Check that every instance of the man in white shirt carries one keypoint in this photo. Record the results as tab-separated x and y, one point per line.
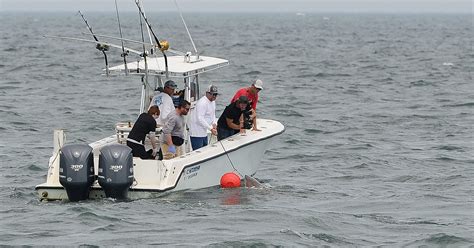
203	118
164	102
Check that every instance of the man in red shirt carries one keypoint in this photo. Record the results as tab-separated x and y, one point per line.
252	94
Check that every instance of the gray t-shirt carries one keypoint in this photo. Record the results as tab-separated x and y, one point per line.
174	125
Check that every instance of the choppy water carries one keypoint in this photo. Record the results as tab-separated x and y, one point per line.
378	148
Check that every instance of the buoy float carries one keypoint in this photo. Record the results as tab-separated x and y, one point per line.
230	180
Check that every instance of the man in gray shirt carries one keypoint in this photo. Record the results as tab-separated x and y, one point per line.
173	131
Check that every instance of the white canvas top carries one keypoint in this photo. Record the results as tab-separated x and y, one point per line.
177	66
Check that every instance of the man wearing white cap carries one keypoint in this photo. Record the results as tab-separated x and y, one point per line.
252	94
203	118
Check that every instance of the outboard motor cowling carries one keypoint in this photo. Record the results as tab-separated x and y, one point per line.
76	170
116	170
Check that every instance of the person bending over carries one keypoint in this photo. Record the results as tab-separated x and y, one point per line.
231	120
144	125
251	93
173	131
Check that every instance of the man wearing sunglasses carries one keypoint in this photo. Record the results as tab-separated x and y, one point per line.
203	118
172	138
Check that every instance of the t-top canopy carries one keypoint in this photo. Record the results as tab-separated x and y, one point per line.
178	66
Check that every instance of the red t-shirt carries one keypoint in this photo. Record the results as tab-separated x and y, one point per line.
253	98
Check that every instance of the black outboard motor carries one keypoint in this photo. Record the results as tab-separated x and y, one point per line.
76	170
116	170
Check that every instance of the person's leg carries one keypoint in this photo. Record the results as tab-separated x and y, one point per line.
204	141
166	154
138	150
195	143
179	151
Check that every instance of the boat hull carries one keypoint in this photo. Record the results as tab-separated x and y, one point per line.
198	169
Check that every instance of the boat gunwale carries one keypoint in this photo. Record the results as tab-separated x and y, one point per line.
223	153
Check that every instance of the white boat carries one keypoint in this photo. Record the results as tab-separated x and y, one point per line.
202	168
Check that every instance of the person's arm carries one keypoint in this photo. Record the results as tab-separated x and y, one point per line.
167	130
214	120
241	124
232	125
166	108
153	140
200	111
254	120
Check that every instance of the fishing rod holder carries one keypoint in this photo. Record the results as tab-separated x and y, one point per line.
102	47
164	45
124	53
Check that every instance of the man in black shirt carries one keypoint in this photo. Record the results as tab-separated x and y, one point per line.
232	120
144	125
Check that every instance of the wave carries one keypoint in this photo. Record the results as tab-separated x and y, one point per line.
420	83
253	73
327	238
467	104
441	240
313	131
449	148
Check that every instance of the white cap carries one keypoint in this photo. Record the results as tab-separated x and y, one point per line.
212	89
258	84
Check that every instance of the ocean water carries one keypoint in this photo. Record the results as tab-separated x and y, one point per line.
378	148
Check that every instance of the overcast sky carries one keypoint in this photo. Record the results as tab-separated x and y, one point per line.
412	6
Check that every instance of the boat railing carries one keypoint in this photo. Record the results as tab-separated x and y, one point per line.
122	129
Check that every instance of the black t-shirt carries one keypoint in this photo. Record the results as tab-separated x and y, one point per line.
232	111
143	126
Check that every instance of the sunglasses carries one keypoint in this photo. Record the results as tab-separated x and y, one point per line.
215	94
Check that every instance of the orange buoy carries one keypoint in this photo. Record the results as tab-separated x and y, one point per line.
230	180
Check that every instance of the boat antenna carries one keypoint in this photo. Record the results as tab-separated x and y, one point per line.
124	54
163	46
185	26
101	47
144	78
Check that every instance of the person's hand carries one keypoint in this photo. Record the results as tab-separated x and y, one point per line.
154	152
214	131
172	149
242	131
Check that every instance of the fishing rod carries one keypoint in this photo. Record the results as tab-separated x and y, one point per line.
99	46
186	27
163	47
140	42
103	44
124	54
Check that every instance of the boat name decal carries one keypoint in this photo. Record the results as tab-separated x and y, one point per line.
116	167
191	172
76	167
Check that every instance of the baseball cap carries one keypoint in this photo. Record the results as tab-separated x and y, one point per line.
171	84
212	89
258	84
